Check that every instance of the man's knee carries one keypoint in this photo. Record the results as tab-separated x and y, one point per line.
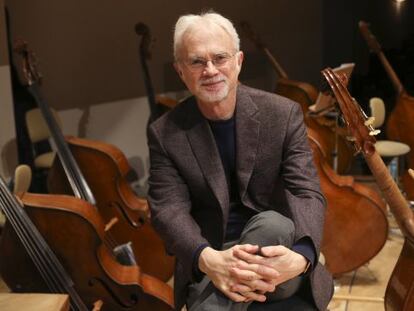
269	228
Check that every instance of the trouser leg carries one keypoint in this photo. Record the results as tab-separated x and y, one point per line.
293	303
264	229
261	230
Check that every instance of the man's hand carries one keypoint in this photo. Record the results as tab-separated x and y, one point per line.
286	262
236	278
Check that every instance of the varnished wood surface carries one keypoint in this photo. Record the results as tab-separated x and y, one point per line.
356	226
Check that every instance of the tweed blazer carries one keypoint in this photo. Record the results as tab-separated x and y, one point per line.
189	196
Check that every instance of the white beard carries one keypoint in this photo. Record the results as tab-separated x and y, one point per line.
213	96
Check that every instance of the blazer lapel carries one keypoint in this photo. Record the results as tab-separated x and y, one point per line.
247	136
208	158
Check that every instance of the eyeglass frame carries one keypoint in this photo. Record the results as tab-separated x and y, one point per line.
195	67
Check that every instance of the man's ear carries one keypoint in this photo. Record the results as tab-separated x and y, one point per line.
178	69
240	58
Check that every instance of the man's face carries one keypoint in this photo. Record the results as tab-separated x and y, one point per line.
208	64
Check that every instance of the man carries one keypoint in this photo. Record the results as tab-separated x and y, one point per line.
233	190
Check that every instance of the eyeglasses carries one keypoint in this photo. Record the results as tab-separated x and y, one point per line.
199	63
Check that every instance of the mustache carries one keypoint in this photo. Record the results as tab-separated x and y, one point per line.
213	80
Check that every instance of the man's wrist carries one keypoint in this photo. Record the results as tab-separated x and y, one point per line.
308	264
204	258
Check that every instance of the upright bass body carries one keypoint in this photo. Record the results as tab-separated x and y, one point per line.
400	127
399	295
356	226
104	168
73	229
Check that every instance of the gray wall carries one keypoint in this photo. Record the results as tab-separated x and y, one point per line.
88	49
88	52
8	152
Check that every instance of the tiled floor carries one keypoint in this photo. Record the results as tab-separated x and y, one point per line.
369	282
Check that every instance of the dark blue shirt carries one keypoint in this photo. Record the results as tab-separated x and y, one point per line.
225	135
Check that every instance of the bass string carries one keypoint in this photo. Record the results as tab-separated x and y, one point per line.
42	256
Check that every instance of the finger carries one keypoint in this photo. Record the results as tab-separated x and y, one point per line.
265	271
253	296
246	256
249	248
249	299
242	274
241	288
260	271
261	286
236	297
272	251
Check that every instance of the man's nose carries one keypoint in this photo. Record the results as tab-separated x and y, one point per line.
210	68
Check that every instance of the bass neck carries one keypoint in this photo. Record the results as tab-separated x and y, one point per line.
254	37
32	77
374	45
76	179
143	30
396	201
395	80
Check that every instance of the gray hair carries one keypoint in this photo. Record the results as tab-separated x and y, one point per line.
187	22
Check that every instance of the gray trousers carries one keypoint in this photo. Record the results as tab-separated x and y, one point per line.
264	229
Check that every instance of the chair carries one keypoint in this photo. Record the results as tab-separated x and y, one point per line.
38	132
22	179
393	150
21	183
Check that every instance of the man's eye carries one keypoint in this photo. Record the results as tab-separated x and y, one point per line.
197	62
220	59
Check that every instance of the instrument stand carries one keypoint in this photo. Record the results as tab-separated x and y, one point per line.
334	114
330	112
335	150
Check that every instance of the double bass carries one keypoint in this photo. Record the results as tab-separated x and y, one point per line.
116	200
356	226
157	104
400	124
306	94
95	172
56	244
22	103
399	295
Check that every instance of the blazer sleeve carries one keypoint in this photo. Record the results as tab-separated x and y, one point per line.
302	189
170	205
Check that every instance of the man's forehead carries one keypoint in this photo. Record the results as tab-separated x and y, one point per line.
213	40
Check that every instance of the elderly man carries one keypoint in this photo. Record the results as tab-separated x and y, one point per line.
233	189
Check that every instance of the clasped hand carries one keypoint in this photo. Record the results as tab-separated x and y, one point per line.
243	275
